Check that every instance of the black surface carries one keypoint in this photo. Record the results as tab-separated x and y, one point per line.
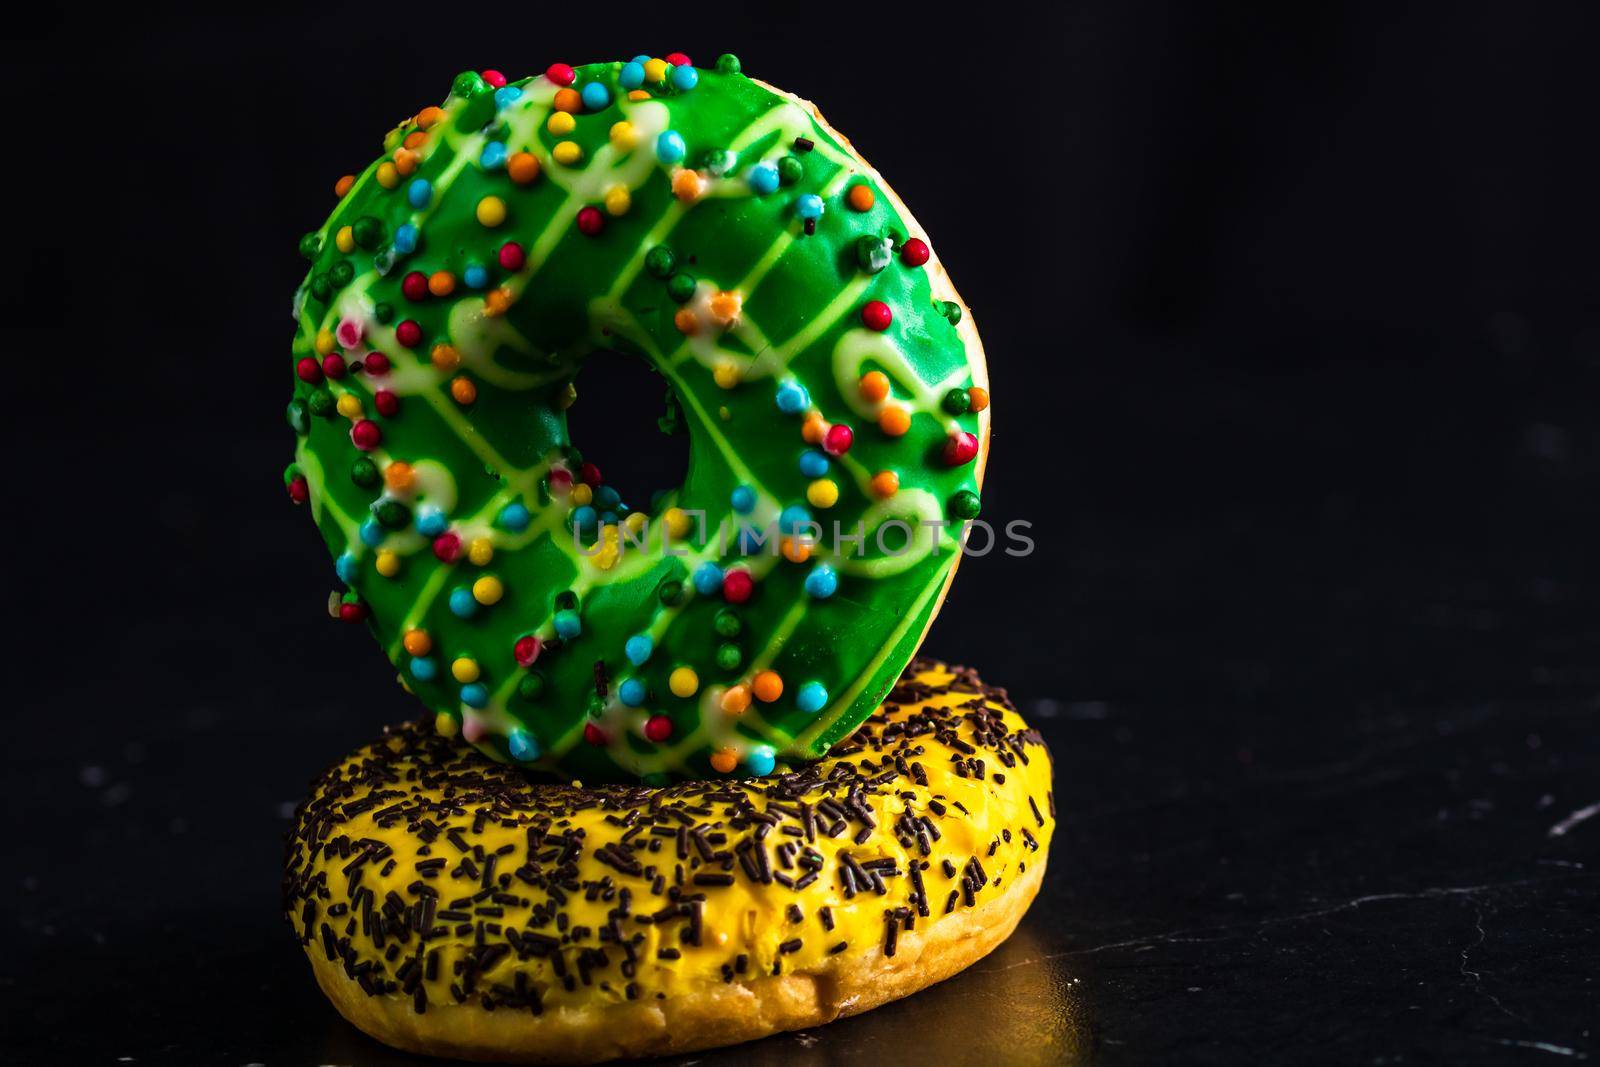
1292	325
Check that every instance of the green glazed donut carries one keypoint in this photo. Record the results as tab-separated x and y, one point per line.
829	379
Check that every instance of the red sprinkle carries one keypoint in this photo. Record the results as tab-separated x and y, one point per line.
590	475
333	365
366	435
678	59
352	612
960	448
493	78
309	370
561	74
414	286
591	222
376	364
914	253
594	735
875	315
408	333
511	256
658	728
386	402
737	585
447	546
838	439
526	650
560	481
299	491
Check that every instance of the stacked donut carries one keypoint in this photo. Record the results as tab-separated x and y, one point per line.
784	819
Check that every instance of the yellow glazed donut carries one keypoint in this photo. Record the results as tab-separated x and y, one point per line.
450	906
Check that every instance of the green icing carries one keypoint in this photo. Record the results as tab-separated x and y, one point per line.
620	289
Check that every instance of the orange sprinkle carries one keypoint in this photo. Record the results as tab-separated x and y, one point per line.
569	100
414	140
813	429
343	185
441	283
795	549
497	302
725	306
523	167
885	484
405	161
638	94
687	185
874	384
445	357
399	476
724	760
768	686
736	699
418	643
463	390
429	117
861	198
686	322
977	398
894	420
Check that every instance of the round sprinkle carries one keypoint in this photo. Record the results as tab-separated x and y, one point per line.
837	440
965	504
590	222
743	499
885	484
760	761
959	449
524	746
568	624
568	100
596	97
464	669
561	74
707	579
526	650
488	590
860	198
462	604
767	686
685	78
813	464
874	386
894	420
657	728
424	669
736	700
632	75
875	315
419	193
728	63
822	582
811	698
638	649
763	178
956	401
523	168
684	682
978	398
823	493
561	123
809	206
670	147
474	695
567	153
737	586
633	692
491	211
724	760
792	398
914	253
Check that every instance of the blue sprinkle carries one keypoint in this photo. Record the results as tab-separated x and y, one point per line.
424	669
493	156
431	521
476	276
638	648
371	533
641	59
506	95
568	625
760	761
515	517
633	692
685	78
596	97
419	192
608	518
752	539
794	519
346	567
632	75
813	464
524	746
822	582
808	206
812	698
763	178
462	603
584	517
670	147
405	239
793	398
474	695
606	498
743	499
707	579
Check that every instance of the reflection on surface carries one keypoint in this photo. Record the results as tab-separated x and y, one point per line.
1012	1008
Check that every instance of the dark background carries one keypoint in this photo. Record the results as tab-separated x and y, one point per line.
1293	319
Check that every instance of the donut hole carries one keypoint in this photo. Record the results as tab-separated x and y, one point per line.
617	423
